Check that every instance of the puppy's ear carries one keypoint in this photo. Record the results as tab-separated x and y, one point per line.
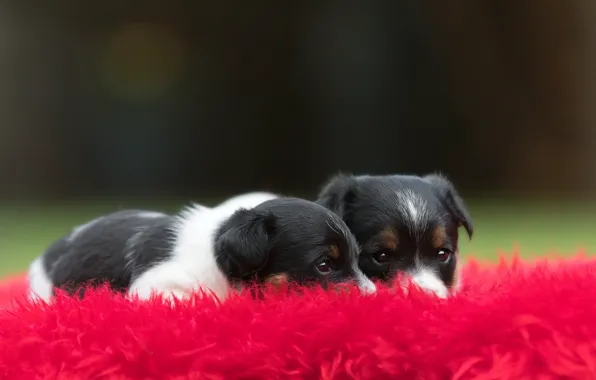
450	197
243	247
338	194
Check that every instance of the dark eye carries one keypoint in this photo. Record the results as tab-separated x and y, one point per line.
381	257
324	267
444	255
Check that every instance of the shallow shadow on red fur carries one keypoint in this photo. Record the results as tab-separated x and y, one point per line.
512	320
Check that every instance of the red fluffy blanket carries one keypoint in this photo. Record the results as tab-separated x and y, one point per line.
511	321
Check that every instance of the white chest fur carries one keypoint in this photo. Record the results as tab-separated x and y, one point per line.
192	266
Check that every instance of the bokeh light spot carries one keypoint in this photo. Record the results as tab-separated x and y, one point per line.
142	61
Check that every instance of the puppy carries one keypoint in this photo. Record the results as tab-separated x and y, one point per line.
218	250
404	224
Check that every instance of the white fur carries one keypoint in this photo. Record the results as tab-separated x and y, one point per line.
429	281
248	200
40	285
193	265
414	208
150	214
364	283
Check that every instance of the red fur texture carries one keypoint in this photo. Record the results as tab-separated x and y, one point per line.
511	321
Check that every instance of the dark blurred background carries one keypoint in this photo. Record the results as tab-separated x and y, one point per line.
115	102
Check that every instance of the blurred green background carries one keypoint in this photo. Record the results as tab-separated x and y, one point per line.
111	104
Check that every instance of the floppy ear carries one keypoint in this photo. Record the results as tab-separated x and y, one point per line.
338	193
452	200
242	249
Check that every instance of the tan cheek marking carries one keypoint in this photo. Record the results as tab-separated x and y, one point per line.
456	284
333	252
277	280
439	236
390	239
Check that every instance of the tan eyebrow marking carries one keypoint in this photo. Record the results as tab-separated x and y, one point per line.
390	239
334	252
439	236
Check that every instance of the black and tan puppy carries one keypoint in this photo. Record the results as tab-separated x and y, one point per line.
217	249
403	223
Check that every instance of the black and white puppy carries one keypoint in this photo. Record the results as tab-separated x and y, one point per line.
217	249
404	224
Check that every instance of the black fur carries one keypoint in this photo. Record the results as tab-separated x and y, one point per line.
369	205
288	236
105	252
242	245
452	201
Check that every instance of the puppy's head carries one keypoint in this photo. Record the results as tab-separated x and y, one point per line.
406	224
289	240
